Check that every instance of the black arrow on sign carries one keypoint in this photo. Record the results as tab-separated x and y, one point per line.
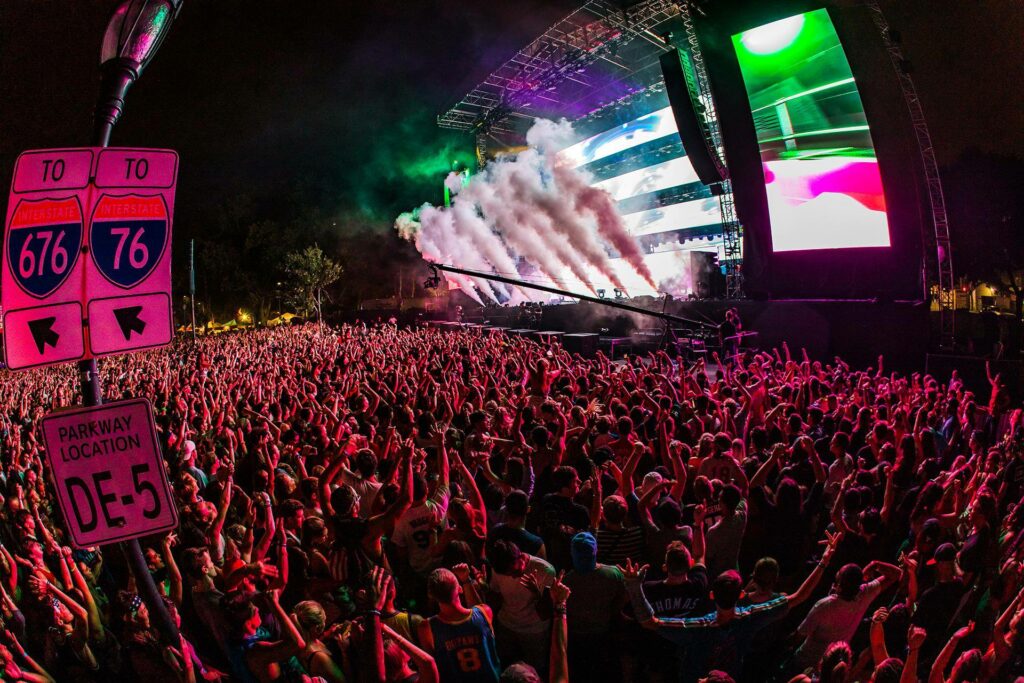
128	320
42	333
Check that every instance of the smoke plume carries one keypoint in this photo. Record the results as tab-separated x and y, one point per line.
529	207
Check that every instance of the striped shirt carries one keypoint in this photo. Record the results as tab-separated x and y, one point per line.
614	546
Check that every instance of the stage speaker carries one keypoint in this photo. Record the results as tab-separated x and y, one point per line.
691	119
706	278
583	343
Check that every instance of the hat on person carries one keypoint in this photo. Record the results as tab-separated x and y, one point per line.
931	530
187	449
945	553
584	552
651	479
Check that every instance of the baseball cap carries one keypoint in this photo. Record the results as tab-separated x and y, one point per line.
931	530
945	553
584	552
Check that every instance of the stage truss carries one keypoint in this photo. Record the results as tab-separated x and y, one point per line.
732	231
937	202
551	77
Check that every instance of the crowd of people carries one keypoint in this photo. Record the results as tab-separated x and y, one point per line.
385	504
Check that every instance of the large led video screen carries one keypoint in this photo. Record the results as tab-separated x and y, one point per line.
650	127
820	170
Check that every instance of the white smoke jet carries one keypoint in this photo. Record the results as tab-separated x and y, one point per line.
454	182
568	225
528	207
548	137
599	204
438	227
517	227
409	228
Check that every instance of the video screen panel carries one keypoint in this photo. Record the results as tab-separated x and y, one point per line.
661	176
642	160
652	126
820	169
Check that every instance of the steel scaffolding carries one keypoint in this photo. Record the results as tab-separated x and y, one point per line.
946	294
552	70
732	231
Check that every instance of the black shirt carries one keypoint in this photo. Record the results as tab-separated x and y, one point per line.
557	511
937	606
527	542
686	599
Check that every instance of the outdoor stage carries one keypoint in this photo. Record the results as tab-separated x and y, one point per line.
856	330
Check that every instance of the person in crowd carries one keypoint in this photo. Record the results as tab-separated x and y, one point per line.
518	585
389	503
721	639
598	596
460	638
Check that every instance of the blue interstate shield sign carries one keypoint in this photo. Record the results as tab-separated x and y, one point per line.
41	257
128	236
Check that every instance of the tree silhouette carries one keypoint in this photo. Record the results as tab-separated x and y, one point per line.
985	196
310	271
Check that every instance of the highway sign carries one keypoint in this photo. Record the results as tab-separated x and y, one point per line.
44	170
42	278
128	277
113	205
136	321
108	472
46	333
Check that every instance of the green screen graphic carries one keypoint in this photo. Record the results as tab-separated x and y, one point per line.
821	175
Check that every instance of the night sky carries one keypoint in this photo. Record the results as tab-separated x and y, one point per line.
341	96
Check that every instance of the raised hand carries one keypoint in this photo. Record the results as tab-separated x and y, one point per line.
531	582
964	631
916	637
633	571
831	541
699	513
559	591
462	572
377	592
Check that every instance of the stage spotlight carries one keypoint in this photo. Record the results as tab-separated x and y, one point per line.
601	293
619	294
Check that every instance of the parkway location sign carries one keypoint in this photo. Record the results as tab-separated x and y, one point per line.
87	254
110	476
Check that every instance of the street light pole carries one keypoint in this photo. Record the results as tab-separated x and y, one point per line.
192	285
133	35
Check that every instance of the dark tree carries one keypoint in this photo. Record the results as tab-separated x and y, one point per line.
985	197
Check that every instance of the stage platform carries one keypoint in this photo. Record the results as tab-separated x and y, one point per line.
857	330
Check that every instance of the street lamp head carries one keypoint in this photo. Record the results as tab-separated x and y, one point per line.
133	36
135	31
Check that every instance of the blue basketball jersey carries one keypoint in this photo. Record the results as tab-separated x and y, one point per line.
465	652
